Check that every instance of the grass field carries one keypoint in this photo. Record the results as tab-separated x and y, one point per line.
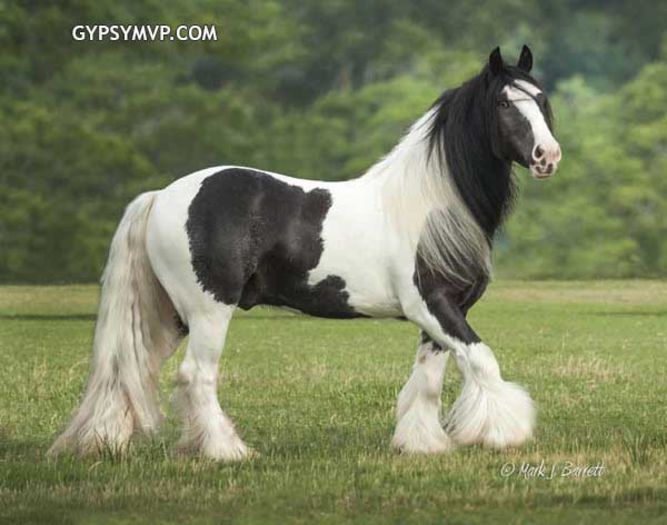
316	399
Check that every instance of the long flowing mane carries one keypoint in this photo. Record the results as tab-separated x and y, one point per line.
460	136
444	183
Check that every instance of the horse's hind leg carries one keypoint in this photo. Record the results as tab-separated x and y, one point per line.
207	430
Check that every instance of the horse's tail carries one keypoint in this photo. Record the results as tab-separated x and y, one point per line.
136	328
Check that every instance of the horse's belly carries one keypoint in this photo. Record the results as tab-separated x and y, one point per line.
375	305
365	288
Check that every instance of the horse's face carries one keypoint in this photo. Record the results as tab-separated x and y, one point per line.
523	132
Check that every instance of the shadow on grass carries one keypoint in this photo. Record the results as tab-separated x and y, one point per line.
93	317
13	448
47	317
629	313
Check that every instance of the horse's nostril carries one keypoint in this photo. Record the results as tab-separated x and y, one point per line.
538	152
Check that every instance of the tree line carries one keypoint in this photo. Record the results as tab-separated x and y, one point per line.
322	90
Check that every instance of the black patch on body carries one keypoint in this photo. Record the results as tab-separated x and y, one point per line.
254	238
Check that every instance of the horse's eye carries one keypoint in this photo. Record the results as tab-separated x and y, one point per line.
503	104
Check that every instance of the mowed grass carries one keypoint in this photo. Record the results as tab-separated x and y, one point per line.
316	399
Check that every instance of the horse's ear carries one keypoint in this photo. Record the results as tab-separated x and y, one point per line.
526	59
495	61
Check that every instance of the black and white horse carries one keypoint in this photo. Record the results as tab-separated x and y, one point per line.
409	239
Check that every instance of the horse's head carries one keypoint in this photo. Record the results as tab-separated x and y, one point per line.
520	116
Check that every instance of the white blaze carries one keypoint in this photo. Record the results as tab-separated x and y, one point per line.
528	107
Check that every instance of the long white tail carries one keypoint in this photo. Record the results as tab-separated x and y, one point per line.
136	329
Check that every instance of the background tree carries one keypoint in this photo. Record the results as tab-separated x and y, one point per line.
322	90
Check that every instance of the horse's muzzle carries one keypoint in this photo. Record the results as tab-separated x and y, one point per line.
545	159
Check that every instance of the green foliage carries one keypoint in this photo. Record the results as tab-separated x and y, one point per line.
322	90
605	213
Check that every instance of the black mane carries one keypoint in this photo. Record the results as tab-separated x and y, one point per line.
462	132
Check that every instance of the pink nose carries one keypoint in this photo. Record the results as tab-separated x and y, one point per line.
546	157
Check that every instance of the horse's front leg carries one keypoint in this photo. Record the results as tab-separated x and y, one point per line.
490	410
418	427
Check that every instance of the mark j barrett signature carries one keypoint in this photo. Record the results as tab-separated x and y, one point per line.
542	470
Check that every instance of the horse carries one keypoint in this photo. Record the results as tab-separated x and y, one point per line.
409	239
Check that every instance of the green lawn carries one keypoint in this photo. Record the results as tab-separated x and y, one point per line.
316	399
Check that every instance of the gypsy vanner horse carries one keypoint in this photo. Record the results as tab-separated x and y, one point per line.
411	239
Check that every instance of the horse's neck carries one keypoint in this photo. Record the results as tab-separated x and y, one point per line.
422	201
412	182
399	179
